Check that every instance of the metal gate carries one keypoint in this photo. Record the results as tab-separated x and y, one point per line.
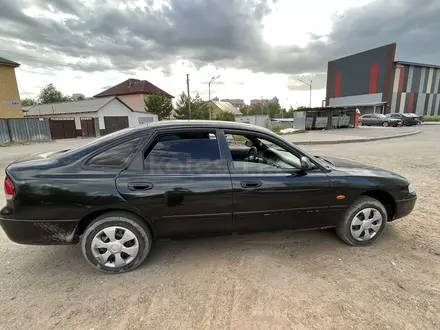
87	127
113	124
62	128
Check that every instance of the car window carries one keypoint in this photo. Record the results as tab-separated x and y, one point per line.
269	156
184	153
366	116
115	156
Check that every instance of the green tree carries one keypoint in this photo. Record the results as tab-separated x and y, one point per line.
301	107
199	108
226	116
258	110
27	102
273	109
160	105
50	94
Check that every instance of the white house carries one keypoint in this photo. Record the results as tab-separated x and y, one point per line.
91	117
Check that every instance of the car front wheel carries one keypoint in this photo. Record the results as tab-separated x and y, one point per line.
116	242
363	223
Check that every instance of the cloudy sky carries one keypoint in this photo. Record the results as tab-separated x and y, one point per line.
258	47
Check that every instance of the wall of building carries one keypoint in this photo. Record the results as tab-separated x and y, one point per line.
134	101
416	89
113	108
9	93
365	77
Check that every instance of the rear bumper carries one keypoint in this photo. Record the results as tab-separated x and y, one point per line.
404	207
40	232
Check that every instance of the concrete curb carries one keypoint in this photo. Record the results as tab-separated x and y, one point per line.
356	140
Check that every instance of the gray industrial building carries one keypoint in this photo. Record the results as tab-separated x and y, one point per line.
374	81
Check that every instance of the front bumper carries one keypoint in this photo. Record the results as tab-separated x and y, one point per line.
404	207
40	232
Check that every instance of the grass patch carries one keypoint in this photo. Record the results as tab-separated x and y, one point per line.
432	118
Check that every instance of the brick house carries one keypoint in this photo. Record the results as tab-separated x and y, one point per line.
9	97
133	92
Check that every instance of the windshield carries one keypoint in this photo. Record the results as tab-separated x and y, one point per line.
380	116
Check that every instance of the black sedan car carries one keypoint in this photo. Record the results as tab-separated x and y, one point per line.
377	119
125	191
407	119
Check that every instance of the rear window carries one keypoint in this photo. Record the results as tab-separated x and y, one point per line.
115	156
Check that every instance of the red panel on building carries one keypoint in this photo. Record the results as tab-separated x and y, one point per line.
373	78
401	78
411	102
338	84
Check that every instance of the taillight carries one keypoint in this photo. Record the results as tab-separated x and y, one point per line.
9	189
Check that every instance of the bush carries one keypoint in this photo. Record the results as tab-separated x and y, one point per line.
432	118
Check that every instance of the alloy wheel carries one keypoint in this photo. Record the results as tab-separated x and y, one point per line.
115	246
366	224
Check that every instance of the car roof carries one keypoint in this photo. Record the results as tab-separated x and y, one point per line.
203	123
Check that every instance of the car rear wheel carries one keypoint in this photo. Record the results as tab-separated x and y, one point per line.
385	124
363	223
360	123
116	242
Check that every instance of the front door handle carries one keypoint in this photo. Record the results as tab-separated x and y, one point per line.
134	186
250	184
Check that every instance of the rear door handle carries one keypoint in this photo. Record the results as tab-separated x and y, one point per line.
134	186
250	184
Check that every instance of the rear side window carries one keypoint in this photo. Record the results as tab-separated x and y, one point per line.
184	153
115	156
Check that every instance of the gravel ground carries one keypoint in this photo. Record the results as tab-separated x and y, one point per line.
302	280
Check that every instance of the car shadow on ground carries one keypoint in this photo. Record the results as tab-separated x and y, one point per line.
295	245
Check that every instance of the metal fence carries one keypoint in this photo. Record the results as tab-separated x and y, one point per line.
299	120
4	133
24	129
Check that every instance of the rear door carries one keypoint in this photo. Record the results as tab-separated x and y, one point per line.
181	182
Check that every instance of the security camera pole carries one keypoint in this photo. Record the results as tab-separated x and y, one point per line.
310	86
209	93
189	99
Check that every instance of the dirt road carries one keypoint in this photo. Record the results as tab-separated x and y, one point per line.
307	280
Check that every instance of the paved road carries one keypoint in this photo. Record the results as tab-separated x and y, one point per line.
307	280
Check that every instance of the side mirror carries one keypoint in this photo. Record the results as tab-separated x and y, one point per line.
306	164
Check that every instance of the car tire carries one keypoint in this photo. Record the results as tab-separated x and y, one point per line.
360	123
354	226
385	124
131	240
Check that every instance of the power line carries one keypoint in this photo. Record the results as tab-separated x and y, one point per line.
32	98
33	57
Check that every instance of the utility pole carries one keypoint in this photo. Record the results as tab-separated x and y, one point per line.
209	93
189	99
310	87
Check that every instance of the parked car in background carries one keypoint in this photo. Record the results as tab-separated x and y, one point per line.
419	118
377	119
121	193
407	119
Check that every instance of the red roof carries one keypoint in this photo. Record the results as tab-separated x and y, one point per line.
133	86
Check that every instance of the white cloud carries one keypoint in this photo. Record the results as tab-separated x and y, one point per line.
287	32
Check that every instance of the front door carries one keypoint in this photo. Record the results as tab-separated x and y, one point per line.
270	190
182	184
